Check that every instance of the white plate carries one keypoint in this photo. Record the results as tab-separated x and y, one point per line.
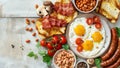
107	34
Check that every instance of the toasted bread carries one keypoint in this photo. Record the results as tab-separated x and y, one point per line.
115	2
109	8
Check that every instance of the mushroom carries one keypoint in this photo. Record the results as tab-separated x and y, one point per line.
48	6
90	61
47	3
41	11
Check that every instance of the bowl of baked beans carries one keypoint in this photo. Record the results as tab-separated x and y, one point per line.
85	6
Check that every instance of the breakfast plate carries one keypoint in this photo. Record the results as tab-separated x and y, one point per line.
106	33
64	37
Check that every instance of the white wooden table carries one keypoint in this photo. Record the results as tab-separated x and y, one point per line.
12	32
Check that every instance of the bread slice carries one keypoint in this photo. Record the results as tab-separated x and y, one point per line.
109	9
115	2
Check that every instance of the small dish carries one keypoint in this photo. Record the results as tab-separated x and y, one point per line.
57	54
85	7
83	63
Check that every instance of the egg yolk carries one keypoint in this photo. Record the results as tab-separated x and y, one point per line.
97	37
79	30
88	45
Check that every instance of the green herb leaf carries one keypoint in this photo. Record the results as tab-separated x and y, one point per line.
31	54
35	56
118	31
97	62
38	45
66	46
42	53
47	59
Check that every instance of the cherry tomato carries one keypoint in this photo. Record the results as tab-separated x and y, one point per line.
96	19
43	43
63	40
98	25
51	52
55	39
89	21
79	41
79	48
49	45
59	46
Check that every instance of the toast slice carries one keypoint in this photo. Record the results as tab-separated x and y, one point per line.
109	9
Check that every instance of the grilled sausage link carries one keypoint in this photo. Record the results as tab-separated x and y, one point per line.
114	58
113	46
115	65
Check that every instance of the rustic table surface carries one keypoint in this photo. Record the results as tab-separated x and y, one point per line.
12	32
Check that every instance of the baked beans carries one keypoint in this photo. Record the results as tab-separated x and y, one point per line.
85	5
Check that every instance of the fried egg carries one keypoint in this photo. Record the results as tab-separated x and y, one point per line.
94	39
79	29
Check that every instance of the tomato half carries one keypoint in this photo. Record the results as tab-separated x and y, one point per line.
79	41
98	25
79	48
96	19
89	21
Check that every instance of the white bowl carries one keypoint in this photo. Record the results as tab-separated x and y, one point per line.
81	60
85	11
54	65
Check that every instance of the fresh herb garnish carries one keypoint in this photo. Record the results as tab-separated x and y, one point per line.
66	46
42	53
97	62
38	45
32	54
47	59
118	31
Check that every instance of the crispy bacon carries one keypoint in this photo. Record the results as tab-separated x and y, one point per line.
64	8
46	24
50	21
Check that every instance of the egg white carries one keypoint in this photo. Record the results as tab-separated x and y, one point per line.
73	36
97	45
89	30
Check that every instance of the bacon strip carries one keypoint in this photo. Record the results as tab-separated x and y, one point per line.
49	22
64	8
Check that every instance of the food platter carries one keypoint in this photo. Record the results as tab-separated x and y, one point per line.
107	34
64	34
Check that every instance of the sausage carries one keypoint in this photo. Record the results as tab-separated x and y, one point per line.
114	58
113	46
115	65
